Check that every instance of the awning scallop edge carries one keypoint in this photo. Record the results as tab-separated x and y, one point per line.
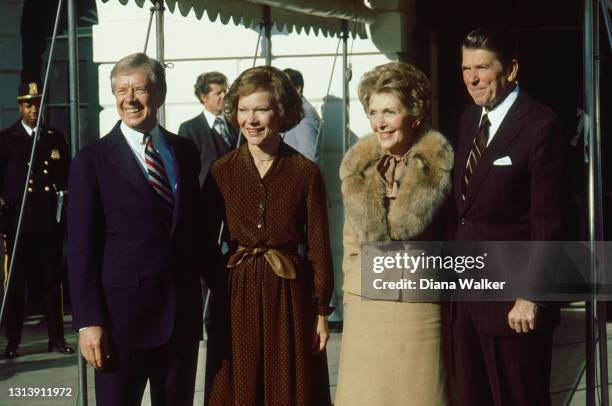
314	16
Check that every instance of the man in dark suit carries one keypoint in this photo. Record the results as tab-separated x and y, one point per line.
38	256
209	130
509	185
134	249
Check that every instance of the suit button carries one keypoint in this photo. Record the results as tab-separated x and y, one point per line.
261	206
47	188
46	172
31	181
46	163
30	189
259	225
462	222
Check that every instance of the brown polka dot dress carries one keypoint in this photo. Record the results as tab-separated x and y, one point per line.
261	327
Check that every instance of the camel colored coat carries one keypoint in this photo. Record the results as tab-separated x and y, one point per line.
391	350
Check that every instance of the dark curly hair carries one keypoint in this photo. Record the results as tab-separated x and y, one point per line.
501	41
203	82
285	99
403	80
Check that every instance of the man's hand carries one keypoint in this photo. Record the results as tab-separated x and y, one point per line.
522	317
321	335
91	342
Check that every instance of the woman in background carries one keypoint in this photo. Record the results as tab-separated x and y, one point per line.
270	305
394	186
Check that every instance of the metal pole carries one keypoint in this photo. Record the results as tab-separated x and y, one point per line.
73	74
345	90
261	27
590	352
326	103
267	48
146	42
598	206
24	196
605	13
589	108
159	30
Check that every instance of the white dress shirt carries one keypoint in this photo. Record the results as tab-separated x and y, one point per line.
210	118
497	114
27	128
135	141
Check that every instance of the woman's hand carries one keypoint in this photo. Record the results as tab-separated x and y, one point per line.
321	335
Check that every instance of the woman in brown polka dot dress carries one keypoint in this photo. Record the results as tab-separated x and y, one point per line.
269	304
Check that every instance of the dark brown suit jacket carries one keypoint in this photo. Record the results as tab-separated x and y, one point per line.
524	201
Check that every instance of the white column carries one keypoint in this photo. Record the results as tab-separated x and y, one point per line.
395	20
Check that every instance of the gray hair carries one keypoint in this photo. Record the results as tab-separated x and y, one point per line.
155	71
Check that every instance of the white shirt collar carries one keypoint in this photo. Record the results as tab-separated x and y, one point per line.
27	128
210	118
135	138
498	113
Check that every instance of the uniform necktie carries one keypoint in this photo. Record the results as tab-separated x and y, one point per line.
479	144
221	128
158	179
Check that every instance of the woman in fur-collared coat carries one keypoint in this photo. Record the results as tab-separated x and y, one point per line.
394	186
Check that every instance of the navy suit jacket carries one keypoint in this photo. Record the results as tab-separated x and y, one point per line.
49	174
206	140
524	201
131	272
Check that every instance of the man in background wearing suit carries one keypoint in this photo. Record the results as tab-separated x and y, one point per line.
509	185
134	248
303	137
39	253
209	130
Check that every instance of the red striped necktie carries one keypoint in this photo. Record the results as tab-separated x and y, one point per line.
479	144
158	179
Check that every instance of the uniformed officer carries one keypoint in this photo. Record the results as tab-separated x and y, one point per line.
39	254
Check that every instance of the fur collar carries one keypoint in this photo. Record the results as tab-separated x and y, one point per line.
424	186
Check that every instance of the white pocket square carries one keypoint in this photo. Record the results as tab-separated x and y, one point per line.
504	161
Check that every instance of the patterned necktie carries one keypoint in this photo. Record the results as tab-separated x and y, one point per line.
158	179
479	144
221	129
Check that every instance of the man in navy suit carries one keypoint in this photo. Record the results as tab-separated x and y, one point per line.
509	185
210	131
133	235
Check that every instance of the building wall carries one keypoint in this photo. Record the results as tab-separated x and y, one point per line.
10	59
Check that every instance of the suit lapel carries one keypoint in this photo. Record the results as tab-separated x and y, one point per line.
465	144
208	144
18	129
511	125
121	156
176	212
233	133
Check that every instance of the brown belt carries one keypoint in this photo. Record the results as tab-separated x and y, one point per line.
281	264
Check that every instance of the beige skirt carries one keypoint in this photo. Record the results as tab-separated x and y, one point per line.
391	354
